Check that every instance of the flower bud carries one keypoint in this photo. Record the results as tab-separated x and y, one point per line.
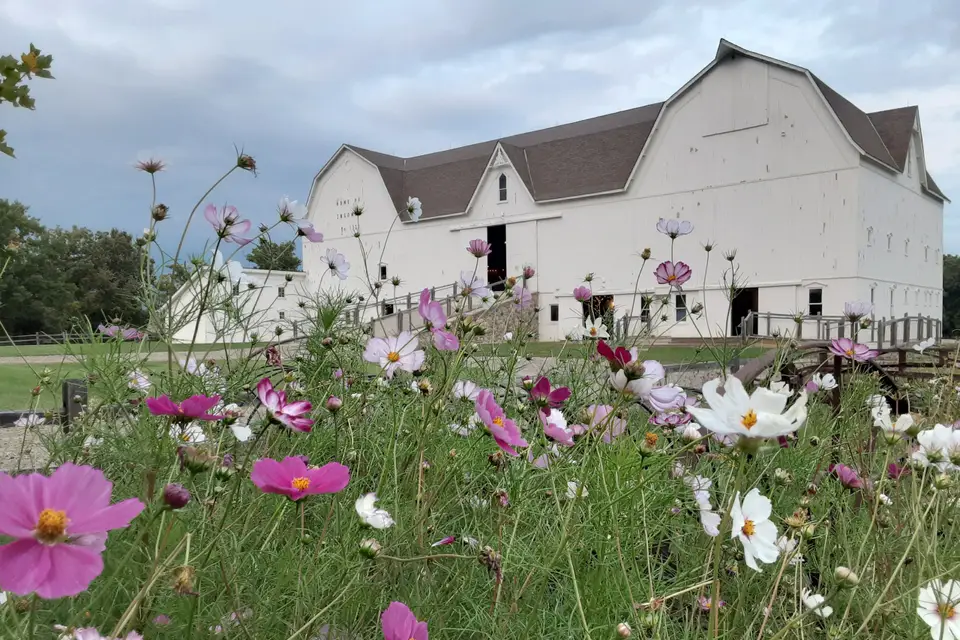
527	383
334	404
224	471
846	577
691	433
159	212
327	342
650	620
782	477
942	481
370	548
175	496
183	580
247	163
624	630
645	254
808	531
649	444
528	272
634	370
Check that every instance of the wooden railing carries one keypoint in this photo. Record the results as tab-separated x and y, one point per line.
881	332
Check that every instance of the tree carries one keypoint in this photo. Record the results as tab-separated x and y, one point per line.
274	256
12	87
951	295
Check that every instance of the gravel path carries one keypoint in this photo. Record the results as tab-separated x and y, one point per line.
153	357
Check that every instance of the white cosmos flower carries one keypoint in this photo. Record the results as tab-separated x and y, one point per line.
241	432
370	514
138	381
935	447
780	387
29	420
414	208
640	388
814	602
751	524
592	330
760	415
787	547
920	347
576	490
190	434
900	427
337	263
466	390
399	352
673	227
709	519
938	604
508	336
884	499
824	382
466	429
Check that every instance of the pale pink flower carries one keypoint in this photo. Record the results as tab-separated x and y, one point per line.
847	348
473	285
337	263
673	274
399	352
582	294
292	415
674	228
193	408
227	223
522	297
58	529
479	248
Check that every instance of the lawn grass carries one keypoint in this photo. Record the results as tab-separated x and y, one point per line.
665	354
99	348
17	381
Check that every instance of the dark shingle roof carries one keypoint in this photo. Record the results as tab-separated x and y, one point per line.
596	155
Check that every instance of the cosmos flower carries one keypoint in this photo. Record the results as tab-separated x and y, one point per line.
760	415
193	408
853	311
542	396
473	285
398	352
227	223
847	348
292	415
399	623
337	263
938	605
674	228
815	602
466	390
414	208
370	514
818	382
672	274
504	430
752	526
294	479
57	527
479	248
582	294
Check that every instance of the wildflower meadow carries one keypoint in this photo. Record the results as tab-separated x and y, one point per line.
345	485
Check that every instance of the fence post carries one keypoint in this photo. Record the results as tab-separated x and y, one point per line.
880	334
768	324
410	302
73	394
929	327
36	338
840	328
893	333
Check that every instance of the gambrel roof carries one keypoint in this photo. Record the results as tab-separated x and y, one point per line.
599	155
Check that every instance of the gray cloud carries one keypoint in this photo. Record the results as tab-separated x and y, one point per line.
188	79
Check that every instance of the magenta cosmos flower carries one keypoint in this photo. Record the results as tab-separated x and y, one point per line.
673	274
294	479
394	353
618	358
545	398
59	528
399	623
227	223
193	408
436	321
847	348
582	294
290	414
847	476
479	248
504	430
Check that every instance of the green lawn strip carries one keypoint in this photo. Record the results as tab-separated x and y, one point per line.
665	354
18	380
98	348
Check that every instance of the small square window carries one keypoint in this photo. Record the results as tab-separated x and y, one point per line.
681	307
815	300
281	292
388	309
383	272
283	315
554	312
645	302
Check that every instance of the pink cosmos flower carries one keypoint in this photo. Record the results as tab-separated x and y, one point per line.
227	223
618	359
555	427
894	471
667	397
543	397
479	248
600	417
399	352
847	348
306	229
522	297
444	541
529	272
473	285
582	294
58	525
445	341
132	334
292	477
193	408
292	415
504	430
399	623
112	331
673	274
435	320
847	476
670	419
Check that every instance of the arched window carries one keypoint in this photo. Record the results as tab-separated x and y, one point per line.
503	187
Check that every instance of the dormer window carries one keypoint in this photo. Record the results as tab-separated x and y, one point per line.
503	187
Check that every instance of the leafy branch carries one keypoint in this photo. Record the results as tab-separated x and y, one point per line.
14	89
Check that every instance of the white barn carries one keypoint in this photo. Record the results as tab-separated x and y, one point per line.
822	202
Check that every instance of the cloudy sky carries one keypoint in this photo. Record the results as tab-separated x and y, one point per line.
186	80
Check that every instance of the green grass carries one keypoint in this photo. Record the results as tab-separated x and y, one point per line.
665	354
100	348
17	381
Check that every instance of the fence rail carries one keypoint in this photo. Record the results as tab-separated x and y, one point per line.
882	332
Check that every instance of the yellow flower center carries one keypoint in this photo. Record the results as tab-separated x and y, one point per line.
749	419
748	528
671	277
593	331
946	610
51	526
650	439
498	421
393	356
467	291
300	484
849	352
